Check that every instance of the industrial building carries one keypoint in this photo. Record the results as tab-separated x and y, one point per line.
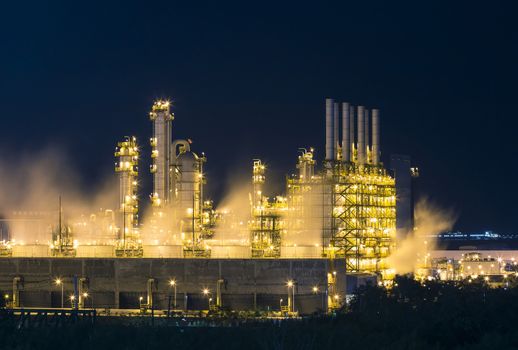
334	220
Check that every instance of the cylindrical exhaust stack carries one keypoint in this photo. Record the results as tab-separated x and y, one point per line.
375	137
330	142
352	138
361	136
336	129
367	135
346	142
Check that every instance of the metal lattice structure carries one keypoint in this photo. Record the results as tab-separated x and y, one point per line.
266	224
363	218
127	155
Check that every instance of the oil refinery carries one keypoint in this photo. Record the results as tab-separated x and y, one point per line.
332	229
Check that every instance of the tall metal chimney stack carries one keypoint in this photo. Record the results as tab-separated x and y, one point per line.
361	136
375	136
330	149
352	138
346	142
336	128
367	135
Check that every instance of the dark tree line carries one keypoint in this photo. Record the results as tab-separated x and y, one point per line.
408	316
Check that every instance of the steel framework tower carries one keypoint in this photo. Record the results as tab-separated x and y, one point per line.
127	155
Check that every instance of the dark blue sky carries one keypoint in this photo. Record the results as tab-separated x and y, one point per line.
249	80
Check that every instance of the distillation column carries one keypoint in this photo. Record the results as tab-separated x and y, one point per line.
127	155
162	119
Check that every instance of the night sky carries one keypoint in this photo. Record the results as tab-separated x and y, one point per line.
248	80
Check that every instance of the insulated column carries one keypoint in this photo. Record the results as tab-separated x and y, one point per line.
330	149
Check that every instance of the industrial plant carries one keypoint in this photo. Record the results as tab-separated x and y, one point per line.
303	250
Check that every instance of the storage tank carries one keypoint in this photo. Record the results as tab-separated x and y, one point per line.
231	252
163	251
31	251
95	251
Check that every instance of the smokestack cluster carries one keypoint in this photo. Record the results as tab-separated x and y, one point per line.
360	138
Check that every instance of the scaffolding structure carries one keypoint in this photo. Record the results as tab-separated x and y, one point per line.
62	243
363	217
266	224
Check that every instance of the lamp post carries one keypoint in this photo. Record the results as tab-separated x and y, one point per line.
315	291
85	295
59	282
72	300
291	298
280	305
206	292
172	283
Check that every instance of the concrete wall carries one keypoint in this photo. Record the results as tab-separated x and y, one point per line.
118	283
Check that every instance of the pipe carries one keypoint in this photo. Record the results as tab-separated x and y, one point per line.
367	135
375	137
336	129
346	142
176	151
351	132
361	136
329	129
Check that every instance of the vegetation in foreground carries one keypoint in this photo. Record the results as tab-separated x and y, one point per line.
410	316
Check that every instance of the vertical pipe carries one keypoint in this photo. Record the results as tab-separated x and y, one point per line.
336	129
367	135
351	131
361	136
75	300
329	129
346	142
375	137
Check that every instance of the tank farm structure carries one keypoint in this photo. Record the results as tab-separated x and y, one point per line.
299	252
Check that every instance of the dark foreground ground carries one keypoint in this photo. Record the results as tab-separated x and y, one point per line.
410	316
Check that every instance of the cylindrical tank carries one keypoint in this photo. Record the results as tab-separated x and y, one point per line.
163	251
95	251
31	251
231	252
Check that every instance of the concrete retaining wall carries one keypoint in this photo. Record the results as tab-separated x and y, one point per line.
118	282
